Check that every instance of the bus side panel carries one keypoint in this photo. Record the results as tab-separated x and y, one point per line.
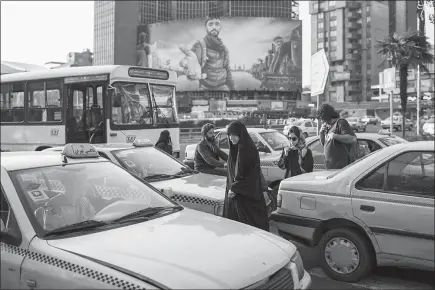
150	134
29	138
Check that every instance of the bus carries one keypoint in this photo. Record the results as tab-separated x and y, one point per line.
93	104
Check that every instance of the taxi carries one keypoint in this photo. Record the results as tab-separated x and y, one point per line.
195	190
377	211
76	220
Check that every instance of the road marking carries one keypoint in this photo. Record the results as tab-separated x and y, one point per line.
376	282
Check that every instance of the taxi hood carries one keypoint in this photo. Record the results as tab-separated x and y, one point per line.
187	250
199	185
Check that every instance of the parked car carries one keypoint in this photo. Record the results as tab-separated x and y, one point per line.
107	228
360	217
307	127
428	127
195	190
269	143
397	124
368	143
357	124
369	120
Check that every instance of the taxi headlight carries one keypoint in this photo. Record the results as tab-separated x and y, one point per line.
297	260
219	209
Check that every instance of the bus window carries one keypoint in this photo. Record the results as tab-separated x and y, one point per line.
16	102
135	105
45	103
5	104
54	102
164	106
78	106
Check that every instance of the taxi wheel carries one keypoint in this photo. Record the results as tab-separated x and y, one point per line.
346	255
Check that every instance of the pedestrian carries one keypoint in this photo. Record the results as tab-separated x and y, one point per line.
297	158
208	156
164	143
244	197
337	137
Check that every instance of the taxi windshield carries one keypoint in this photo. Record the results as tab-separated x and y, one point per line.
150	163
60	196
275	140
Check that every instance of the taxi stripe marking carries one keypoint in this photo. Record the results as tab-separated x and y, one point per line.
191	199
68	266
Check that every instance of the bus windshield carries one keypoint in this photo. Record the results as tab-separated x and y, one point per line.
139	103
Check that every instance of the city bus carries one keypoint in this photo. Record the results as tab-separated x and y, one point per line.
93	104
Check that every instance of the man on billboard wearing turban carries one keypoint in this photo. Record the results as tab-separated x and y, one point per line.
213	58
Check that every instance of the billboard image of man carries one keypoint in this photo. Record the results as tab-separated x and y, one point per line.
142	50
213	58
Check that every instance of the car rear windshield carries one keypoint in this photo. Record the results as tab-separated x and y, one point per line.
148	162
389	141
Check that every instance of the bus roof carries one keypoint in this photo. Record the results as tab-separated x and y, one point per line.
74	71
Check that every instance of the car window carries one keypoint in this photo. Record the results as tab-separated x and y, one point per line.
58	196
318	152
308	124
408	173
389	141
148	162
368	146
275	140
10	231
223	141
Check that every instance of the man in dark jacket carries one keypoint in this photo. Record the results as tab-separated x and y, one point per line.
207	154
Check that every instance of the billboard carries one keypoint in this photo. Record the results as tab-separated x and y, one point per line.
226	54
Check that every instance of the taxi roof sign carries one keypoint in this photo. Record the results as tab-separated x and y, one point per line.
142	143
80	151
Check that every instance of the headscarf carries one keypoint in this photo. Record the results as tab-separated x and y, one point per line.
244	155
301	146
164	137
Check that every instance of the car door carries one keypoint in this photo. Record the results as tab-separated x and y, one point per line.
396	202
318	154
12	250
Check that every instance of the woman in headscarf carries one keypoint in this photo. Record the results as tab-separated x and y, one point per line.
244	198
164	143
297	158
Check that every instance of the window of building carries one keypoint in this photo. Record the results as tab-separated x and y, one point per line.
331	3
333	96
368	8
320	25
333	23
334	43
332	13
322	5
320	16
369	19
333	53
333	33
315	6
320	45
320	35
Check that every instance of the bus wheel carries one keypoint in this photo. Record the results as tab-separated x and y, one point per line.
40	148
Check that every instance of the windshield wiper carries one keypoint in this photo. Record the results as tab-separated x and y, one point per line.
146	213
78	227
158	176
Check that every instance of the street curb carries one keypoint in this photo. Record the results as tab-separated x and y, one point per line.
376	282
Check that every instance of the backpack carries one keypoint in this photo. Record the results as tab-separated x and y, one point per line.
353	150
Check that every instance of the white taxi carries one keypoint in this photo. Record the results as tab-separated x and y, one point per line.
204	192
103	227
377	211
308	127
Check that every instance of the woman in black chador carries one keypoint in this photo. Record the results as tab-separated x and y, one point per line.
244	198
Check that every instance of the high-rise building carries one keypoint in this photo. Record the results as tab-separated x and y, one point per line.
348	31
116	22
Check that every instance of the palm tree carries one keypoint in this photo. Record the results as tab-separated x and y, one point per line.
404	52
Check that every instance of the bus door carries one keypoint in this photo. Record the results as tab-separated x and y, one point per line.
86	121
